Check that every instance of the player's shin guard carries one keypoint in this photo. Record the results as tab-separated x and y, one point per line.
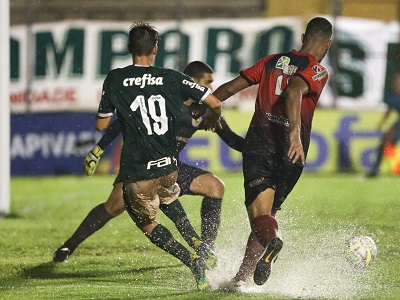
162	238
265	228
210	219
177	214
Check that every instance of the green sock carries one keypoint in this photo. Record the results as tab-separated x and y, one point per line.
210	219
177	214
162	238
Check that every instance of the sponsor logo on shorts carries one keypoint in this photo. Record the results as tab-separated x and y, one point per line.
146	79
256	182
162	162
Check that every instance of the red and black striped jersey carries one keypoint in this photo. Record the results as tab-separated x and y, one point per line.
270	125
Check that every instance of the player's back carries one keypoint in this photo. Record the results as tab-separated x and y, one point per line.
148	100
273	74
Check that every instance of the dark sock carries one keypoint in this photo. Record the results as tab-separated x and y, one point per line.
265	229
210	219
177	214
162	238
379	157
95	219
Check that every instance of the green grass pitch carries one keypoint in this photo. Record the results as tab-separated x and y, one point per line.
118	262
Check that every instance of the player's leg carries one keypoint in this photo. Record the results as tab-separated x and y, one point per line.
195	181
213	189
388	137
252	254
142	200
260	184
263	209
95	220
174	211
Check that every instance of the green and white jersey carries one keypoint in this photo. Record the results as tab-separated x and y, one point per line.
148	101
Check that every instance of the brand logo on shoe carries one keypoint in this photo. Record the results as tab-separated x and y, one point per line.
268	256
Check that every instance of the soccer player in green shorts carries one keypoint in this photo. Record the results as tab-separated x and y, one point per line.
148	100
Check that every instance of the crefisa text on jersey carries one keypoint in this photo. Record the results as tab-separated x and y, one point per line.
193	85
146	79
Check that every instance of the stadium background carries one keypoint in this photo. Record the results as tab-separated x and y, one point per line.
51	135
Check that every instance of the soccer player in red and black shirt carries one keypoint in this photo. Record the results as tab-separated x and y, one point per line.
278	138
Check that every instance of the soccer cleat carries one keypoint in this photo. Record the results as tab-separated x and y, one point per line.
206	253
263	267
198	269
62	254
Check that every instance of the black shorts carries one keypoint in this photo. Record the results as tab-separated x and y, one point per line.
186	174
269	170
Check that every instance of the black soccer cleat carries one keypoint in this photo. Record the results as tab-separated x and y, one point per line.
264	264
198	268
62	254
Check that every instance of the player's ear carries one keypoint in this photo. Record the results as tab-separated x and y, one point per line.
328	45
302	38
155	50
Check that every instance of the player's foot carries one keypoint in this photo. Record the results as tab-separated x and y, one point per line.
371	174
263	267
198	269
62	254
206	253
238	286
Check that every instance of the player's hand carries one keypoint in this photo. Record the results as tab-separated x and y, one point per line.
296	151
92	159
210	123
197	110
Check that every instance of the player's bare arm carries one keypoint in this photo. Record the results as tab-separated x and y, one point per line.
215	108
230	88
102	123
294	94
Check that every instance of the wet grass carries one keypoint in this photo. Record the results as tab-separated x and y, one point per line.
118	262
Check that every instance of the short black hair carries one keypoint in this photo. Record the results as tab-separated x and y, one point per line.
143	37
318	28
196	69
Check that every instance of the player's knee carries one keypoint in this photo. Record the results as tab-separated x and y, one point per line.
208	185
115	208
115	203
216	188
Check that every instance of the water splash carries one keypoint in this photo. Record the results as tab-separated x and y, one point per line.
311	265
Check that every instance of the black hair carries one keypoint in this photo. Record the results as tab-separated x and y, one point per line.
318	28
143	37
196	69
